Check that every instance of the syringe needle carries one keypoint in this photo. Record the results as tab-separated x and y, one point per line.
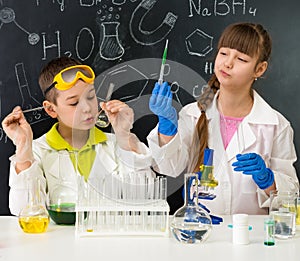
162	67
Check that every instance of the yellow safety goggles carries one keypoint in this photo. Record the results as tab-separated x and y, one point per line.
66	78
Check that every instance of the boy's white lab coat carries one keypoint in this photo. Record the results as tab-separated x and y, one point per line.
264	131
50	163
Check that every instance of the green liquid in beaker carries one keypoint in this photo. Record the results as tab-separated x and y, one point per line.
63	214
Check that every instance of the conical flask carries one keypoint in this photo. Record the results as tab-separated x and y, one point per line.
111	48
62	199
34	218
191	223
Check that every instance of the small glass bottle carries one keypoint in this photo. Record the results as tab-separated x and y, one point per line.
269	229
191	223
34	217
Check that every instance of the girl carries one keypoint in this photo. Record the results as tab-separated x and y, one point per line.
253	144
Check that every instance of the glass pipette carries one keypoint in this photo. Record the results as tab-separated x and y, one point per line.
162	67
34	109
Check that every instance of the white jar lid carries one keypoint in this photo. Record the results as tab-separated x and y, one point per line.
240	219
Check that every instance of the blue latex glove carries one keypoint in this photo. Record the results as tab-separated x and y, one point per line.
253	164
160	103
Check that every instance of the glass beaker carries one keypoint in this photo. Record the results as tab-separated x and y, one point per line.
62	199
191	223
34	218
283	209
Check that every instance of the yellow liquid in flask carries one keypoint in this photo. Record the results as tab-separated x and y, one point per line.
35	224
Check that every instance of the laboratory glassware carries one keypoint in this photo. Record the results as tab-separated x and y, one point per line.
103	120
34	218
283	209
62	199
137	205
191	223
269	229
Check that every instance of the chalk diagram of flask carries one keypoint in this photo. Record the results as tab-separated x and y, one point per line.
7	15
110	47
145	37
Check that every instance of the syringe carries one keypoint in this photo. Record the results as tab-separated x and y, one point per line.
162	67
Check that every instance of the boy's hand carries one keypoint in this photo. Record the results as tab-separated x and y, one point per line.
120	115
19	131
17	128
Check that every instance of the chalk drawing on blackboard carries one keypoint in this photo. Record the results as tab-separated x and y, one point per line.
120	76
174	89
7	15
199	43
118	2
198	90
144	37
110	47
28	101
55	45
89	33
208	69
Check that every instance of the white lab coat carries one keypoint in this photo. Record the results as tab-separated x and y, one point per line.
49	163
264	131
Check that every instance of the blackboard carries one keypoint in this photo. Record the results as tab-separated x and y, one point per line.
123	41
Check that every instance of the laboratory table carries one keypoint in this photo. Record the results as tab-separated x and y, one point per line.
60	243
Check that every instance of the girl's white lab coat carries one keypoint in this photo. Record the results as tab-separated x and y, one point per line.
264	131
49	163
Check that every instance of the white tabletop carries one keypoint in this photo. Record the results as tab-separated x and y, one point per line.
59	243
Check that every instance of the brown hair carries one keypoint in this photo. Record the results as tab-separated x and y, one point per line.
48	73
248	38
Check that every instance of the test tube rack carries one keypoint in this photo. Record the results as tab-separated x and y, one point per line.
143	211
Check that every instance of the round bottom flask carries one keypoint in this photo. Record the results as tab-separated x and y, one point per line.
62	198
34	218
191	223
61	206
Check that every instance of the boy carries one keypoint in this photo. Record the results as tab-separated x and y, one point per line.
70	98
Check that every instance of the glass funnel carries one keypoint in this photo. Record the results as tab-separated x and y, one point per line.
62	199
34	218
191	223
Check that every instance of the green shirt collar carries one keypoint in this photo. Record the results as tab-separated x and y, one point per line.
56	141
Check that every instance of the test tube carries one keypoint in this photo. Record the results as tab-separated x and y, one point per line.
163	198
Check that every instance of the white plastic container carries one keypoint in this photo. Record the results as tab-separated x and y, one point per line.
240	229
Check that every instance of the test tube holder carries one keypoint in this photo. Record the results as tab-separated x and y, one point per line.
123	218
104	216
